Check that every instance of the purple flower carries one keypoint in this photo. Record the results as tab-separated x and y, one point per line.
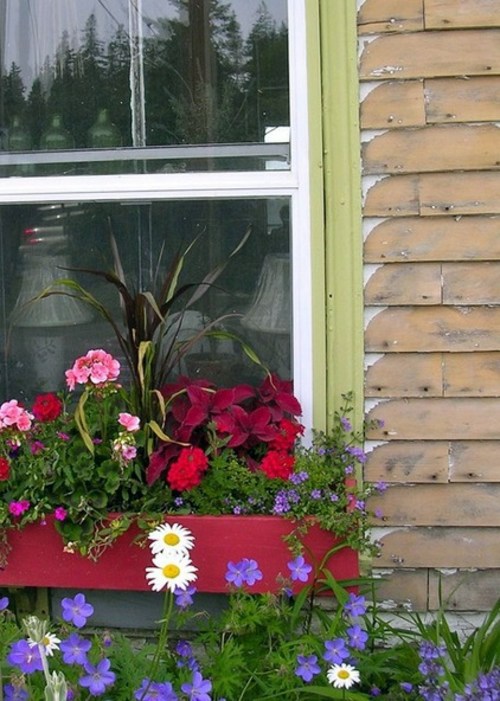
184	597
155	691
307	667
75	649
375	691
183	648
357	453
281	503
381	486
346	424
245	571
199	689
357	637
299	569
15	693
76	610
24	656
335	651
355	606
298	477
4	602
406	687
98	677
316	494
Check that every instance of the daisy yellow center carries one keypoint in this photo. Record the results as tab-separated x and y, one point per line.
343	674
45	641
171	571
171	539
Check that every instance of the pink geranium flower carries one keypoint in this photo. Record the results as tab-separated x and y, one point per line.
60	513
96	367
129	422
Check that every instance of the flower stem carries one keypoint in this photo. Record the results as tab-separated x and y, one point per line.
168	604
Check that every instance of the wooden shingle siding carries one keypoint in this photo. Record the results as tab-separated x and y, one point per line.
438	239
452	14
431	547
431	54
433	149
430	119
405	375
394	105
377	16
461	100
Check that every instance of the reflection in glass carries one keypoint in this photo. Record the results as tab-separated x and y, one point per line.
165	72
42	243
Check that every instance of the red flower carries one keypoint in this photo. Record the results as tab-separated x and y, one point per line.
4	469
187	471
277	464
47	407
287	435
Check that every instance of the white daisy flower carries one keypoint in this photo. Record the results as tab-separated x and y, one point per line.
172	570
343	676
170	538
49	641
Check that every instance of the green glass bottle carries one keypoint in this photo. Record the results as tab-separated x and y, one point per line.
19	138
104	134
56	137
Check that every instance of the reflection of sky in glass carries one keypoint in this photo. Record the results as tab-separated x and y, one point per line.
33	28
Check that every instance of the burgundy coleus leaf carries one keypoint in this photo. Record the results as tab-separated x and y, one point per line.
278	396
160	460
245	426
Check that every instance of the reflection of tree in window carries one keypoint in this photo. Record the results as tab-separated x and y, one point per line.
204	81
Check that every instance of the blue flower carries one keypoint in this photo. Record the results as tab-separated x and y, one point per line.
156	691
75	649
355	606
346	424
184	597
15	693
307	667
199	689
245	571
26	657
406	687
98	677
76	610
299	569
336	651
4	602
357	637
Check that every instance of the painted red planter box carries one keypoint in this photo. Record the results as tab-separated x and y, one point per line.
37	558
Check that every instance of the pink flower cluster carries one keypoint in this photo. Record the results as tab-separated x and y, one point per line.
14	416
96	367
124	446
17	508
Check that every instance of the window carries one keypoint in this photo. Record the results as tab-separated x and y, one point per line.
156	120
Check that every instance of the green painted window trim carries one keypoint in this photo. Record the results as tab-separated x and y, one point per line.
337	246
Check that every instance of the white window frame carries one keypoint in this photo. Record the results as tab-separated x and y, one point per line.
293	183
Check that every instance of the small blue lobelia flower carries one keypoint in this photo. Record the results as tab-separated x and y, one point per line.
76	610
98	677
4	602
25	656
198	689
75	649
299	569
307	667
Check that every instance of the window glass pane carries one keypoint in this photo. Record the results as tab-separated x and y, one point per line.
132	85
250	300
